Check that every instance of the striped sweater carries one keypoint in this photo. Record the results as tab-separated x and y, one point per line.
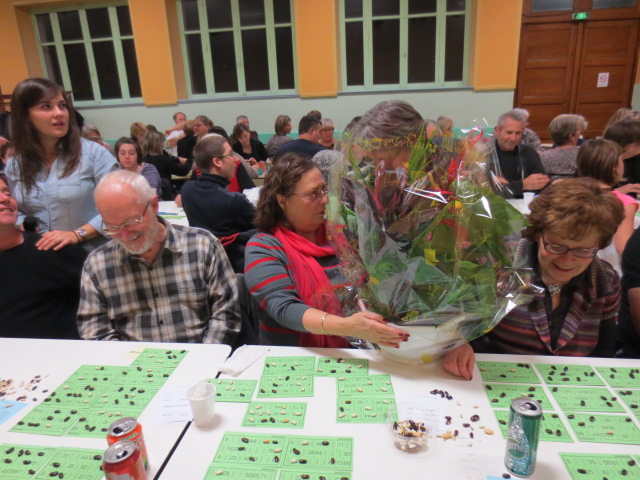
588	327
270	282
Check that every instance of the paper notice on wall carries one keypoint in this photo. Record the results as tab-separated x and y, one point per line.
603	79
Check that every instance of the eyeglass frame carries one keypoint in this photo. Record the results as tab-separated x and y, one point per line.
567	249
119	228
314	197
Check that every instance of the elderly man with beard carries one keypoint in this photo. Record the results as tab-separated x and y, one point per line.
154	281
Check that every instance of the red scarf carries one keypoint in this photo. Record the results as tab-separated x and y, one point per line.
311	282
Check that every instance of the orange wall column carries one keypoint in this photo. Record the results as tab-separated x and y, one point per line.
153	50
496	44
14	63
316	32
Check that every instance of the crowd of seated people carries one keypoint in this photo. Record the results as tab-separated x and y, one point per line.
123	272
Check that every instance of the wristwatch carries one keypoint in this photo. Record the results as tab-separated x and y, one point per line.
81	233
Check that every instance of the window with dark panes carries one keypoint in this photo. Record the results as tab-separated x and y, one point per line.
237	47
90	52
403	43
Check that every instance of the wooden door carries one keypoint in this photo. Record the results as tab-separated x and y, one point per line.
546	72
608	49
559	67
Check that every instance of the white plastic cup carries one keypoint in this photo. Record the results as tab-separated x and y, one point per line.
202	400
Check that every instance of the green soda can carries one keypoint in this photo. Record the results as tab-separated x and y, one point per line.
523	432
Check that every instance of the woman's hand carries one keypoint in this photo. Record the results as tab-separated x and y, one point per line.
372	327
629	188
460	361
56	239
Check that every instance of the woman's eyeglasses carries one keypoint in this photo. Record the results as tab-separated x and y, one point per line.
314	197
559	249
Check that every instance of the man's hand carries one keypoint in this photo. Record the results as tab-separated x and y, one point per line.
535	181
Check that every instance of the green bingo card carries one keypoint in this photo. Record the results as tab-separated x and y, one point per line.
70	421
25	462
365	409
234	472
159	357
604	428
592	399
551	430
285	451
507	372
621	377
364	386
501	395
569	374
286	385
342	366
275	414
589	466
289	365
233	390
632	399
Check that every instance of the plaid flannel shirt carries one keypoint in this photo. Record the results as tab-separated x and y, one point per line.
188	294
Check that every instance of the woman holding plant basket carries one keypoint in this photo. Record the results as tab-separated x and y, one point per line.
293	273
422	237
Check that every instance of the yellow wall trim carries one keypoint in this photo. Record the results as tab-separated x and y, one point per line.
496	44
316	32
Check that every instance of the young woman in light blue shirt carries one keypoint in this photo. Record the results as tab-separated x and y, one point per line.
54	171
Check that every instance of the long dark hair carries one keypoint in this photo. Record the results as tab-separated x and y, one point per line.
28	149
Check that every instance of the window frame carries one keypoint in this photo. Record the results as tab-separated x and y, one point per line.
116	39
367	24
204	31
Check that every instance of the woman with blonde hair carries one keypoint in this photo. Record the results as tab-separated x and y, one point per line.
137	131
327	139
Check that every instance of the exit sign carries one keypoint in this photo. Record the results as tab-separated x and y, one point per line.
580	16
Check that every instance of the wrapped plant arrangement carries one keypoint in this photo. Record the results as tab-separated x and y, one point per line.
424	240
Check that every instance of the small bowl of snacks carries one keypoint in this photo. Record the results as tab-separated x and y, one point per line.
409	427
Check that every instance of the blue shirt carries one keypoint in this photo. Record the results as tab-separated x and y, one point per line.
64	203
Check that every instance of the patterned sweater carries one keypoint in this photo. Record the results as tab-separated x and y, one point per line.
588	327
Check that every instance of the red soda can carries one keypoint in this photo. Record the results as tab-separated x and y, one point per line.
122	461
128	428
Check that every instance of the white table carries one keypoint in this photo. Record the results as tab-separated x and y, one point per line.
173	213
374	455
23	359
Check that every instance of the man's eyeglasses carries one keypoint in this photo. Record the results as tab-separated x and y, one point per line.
115	229
314	197
559	249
